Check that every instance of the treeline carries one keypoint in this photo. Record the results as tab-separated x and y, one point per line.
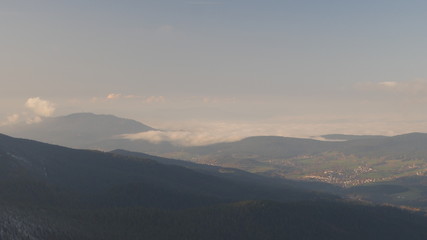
246	220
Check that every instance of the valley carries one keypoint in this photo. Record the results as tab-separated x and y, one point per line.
350	162
331	167
213	120
53	192
142	175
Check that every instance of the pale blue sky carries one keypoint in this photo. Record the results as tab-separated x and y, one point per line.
288	58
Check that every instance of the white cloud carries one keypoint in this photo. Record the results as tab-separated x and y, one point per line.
418	86
197	133
10	120
155	99
182	138
112	96
129	97
40	107
13	118
388	84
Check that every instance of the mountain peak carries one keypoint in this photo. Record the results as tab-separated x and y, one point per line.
78	129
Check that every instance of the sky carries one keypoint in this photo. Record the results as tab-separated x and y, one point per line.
219	68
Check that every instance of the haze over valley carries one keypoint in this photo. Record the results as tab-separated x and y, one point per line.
213	119
345	161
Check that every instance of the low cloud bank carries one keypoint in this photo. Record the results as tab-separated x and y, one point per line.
199	133
40	107
181	138
203	133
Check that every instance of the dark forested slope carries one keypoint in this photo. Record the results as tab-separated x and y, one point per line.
52	192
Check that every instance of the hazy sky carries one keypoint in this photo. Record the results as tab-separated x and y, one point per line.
296	68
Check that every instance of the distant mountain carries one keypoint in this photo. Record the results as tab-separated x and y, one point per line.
271	147
79	130
411	145
53	192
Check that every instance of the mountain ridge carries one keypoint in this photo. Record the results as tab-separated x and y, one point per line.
94	173
53	192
